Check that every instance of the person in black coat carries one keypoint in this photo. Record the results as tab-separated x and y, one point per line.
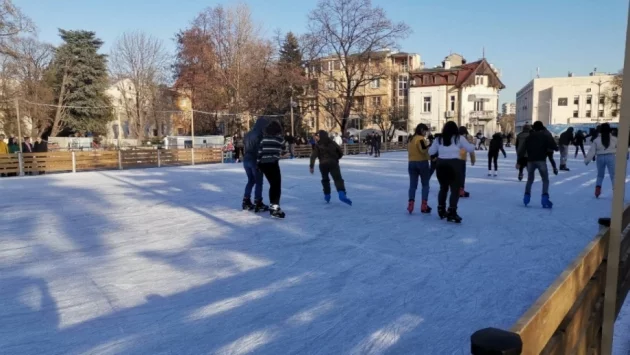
564	142
496	146
376	143
578	142
536	147
41	146
328	152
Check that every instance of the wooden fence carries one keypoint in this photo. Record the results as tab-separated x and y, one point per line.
568	317
64	161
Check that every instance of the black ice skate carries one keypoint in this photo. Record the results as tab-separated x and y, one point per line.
276	212
452	216
441	210
260	207
247	204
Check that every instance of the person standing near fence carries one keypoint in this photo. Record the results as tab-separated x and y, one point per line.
4	149
329	152
290	141
496	146
41	146
564	143
419	167
238	147
269	152
603	149
376	143
251	144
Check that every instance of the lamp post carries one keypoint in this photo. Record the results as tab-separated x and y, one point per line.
599	84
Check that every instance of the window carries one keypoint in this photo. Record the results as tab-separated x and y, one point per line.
427	104
576	100
375	83
602	99
353	83
588	90
615	113
451	79
563	101
331	67
478	105
311	122
425	80
575	114
615	99
359	102
401	101
588	113
376	101
452	104
312	103
589	99
330	103
480	80
600	113
402	85
330	85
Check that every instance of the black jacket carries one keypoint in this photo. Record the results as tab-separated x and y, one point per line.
326	150
579	138
538	144
251	141
496	145
566	137
40	147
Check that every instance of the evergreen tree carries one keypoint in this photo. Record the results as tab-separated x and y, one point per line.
79	78
290	53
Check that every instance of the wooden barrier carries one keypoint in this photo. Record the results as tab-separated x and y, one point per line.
568	317
51	162
9	164
96	160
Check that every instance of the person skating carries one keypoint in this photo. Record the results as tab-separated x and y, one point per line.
603	148
551	152
251	144
564	143
269	153
328	152
578	142
419	167
464	158
376	143
521	154
448	149
496	146
536	146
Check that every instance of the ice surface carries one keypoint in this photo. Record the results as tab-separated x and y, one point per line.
163	261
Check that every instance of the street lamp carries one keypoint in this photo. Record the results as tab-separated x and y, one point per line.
599	84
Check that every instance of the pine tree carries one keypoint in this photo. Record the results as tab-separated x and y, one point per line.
290	53
79	78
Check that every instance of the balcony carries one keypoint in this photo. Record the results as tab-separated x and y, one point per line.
483	115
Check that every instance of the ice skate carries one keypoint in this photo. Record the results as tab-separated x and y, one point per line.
410	206
276	212
452	216
327	198
343	198
247	204
598	191
441	210
545	202
424	208
526	199
496	173
260	207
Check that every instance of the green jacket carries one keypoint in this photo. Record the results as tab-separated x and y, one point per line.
14	148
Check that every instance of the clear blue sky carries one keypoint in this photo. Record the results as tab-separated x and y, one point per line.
556	35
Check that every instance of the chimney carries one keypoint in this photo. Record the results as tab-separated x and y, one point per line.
570	74
447	64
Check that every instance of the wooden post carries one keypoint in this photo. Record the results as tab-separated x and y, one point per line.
345	149
120	165
192	153
492	341
222	156
74	162
159	158
612	265
19	126
21	163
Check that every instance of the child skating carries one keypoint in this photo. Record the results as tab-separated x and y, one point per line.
328	152
496	146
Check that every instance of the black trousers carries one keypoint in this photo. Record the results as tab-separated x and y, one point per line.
333	170
552	161
522	165
579	146
462	173
272	173
449	176
493	158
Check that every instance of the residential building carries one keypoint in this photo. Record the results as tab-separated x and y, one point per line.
467	93
508	108
375	100
591	99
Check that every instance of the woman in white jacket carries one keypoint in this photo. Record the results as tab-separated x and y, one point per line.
604	148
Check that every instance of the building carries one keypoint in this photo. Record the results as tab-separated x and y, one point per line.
380	98
569	100
508	108
467	93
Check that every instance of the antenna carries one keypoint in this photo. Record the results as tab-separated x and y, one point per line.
483	52
537	72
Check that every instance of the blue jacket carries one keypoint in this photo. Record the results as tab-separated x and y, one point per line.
252	140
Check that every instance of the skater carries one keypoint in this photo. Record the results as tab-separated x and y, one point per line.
463	132
604	148
578	142
290	141
537	145
508	138
550	153
376	144
496	146
564	142
521	154
368	144
418	167
251	144
269	153
328	152
448	149
238	147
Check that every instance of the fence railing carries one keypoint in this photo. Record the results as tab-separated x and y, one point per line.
77	161
568	317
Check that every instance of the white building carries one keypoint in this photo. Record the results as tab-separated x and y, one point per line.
467	93
569	100
508	108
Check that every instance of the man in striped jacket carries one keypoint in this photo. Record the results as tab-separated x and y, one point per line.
270	150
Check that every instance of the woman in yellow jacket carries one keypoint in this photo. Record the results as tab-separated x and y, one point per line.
463	156
419	167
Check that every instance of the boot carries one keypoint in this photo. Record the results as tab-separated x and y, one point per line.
520	177
424	208
489	172
555	171
410	206
276	212
463	193
496	173
327	198
343	198
544	201
247	204
441	210
260	206
452	216
598	191
526	199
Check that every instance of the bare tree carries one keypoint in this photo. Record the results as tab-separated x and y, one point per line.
353	34
13	24
142	61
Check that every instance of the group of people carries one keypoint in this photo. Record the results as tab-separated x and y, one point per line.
13	146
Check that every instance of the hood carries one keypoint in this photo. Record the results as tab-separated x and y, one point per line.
322	134
497	136
260	125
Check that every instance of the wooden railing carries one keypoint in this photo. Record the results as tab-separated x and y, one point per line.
76	161
568	317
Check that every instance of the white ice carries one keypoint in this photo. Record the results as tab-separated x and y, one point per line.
163	261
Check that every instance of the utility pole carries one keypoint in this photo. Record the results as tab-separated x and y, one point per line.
120	134
599	84
17	117
293	103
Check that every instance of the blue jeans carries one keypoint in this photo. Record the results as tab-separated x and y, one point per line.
422	170
541	166
254	177
605	161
